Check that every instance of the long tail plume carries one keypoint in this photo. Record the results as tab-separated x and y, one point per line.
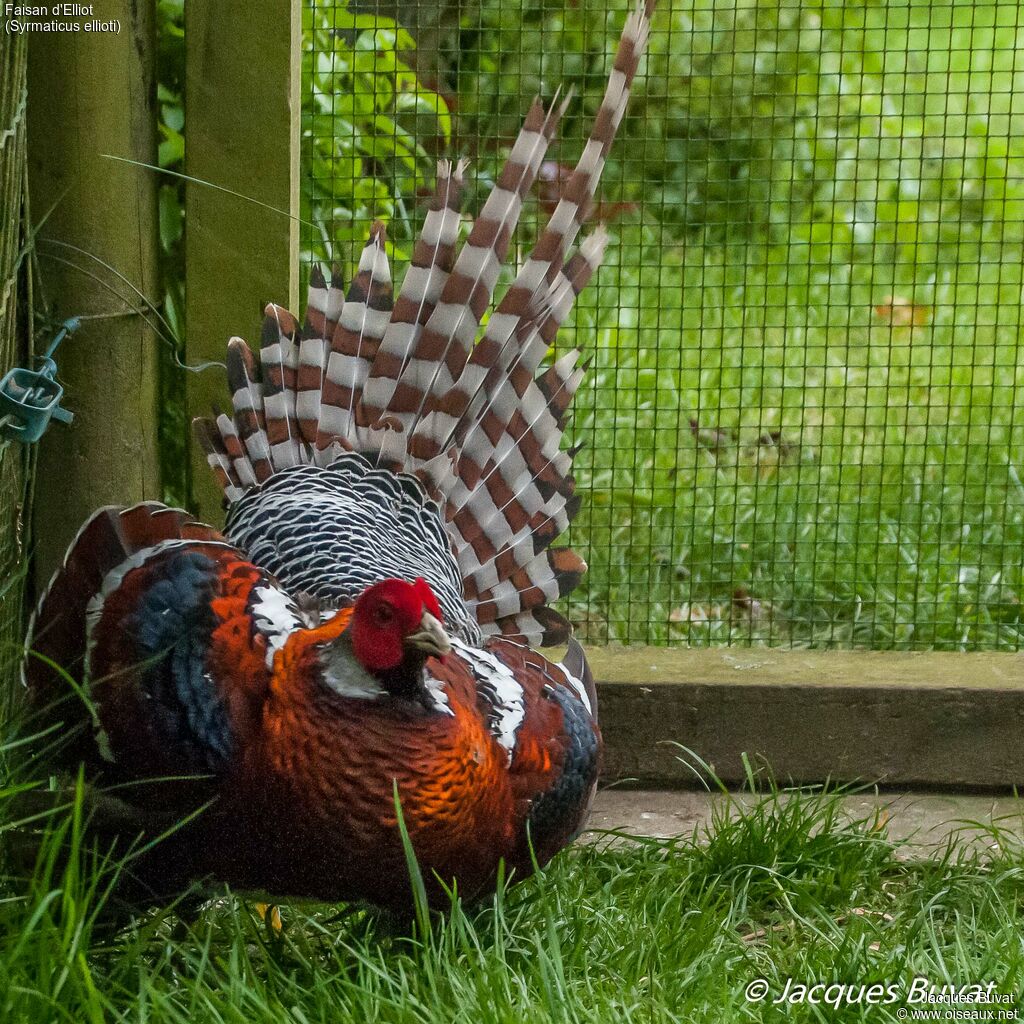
413	384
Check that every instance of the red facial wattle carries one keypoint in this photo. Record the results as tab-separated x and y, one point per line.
385	615
377	648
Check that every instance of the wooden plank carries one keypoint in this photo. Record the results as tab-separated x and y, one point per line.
13	547
928	719
764	666
92	94
243	104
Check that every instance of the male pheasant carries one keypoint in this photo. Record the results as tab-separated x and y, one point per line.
359	635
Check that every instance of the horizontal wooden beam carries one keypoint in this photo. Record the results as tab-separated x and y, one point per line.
898	719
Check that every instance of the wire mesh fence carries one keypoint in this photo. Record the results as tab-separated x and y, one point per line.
802	423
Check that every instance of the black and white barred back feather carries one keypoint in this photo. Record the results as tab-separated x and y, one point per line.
389	436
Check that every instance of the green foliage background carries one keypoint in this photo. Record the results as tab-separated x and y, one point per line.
366	123
805	176
801	422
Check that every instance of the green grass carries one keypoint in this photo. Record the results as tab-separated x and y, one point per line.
891	513
793	167
893	519
651	930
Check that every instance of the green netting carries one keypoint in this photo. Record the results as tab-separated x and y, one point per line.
803	421
13	53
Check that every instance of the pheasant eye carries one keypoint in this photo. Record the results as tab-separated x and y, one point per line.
383	614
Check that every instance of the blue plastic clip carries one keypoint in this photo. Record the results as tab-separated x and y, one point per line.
29	399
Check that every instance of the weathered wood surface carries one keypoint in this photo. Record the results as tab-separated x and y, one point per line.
243	102
93	94
928	719
13	528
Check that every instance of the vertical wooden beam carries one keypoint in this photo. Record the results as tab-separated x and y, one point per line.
242	109
13	104
93	94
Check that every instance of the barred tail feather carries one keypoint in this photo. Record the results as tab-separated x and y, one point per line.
412	383
441	348
279	360
494	388
423	287
356	336
247	401
214	447
508	388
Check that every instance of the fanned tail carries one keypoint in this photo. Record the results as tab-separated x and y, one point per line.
414	386
354	342
439	349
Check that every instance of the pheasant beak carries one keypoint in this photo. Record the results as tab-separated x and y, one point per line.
430	637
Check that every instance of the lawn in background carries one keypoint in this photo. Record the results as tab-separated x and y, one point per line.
809	431
801	421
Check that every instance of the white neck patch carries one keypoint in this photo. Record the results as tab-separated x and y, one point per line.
346	677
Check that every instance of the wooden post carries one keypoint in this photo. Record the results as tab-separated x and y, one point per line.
243	103
13	103
92	94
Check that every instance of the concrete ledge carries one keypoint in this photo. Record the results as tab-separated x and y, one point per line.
920	823
898	719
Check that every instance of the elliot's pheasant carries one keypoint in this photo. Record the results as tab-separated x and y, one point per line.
360	630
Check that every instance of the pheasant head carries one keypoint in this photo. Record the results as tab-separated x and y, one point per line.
395	627
374	649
